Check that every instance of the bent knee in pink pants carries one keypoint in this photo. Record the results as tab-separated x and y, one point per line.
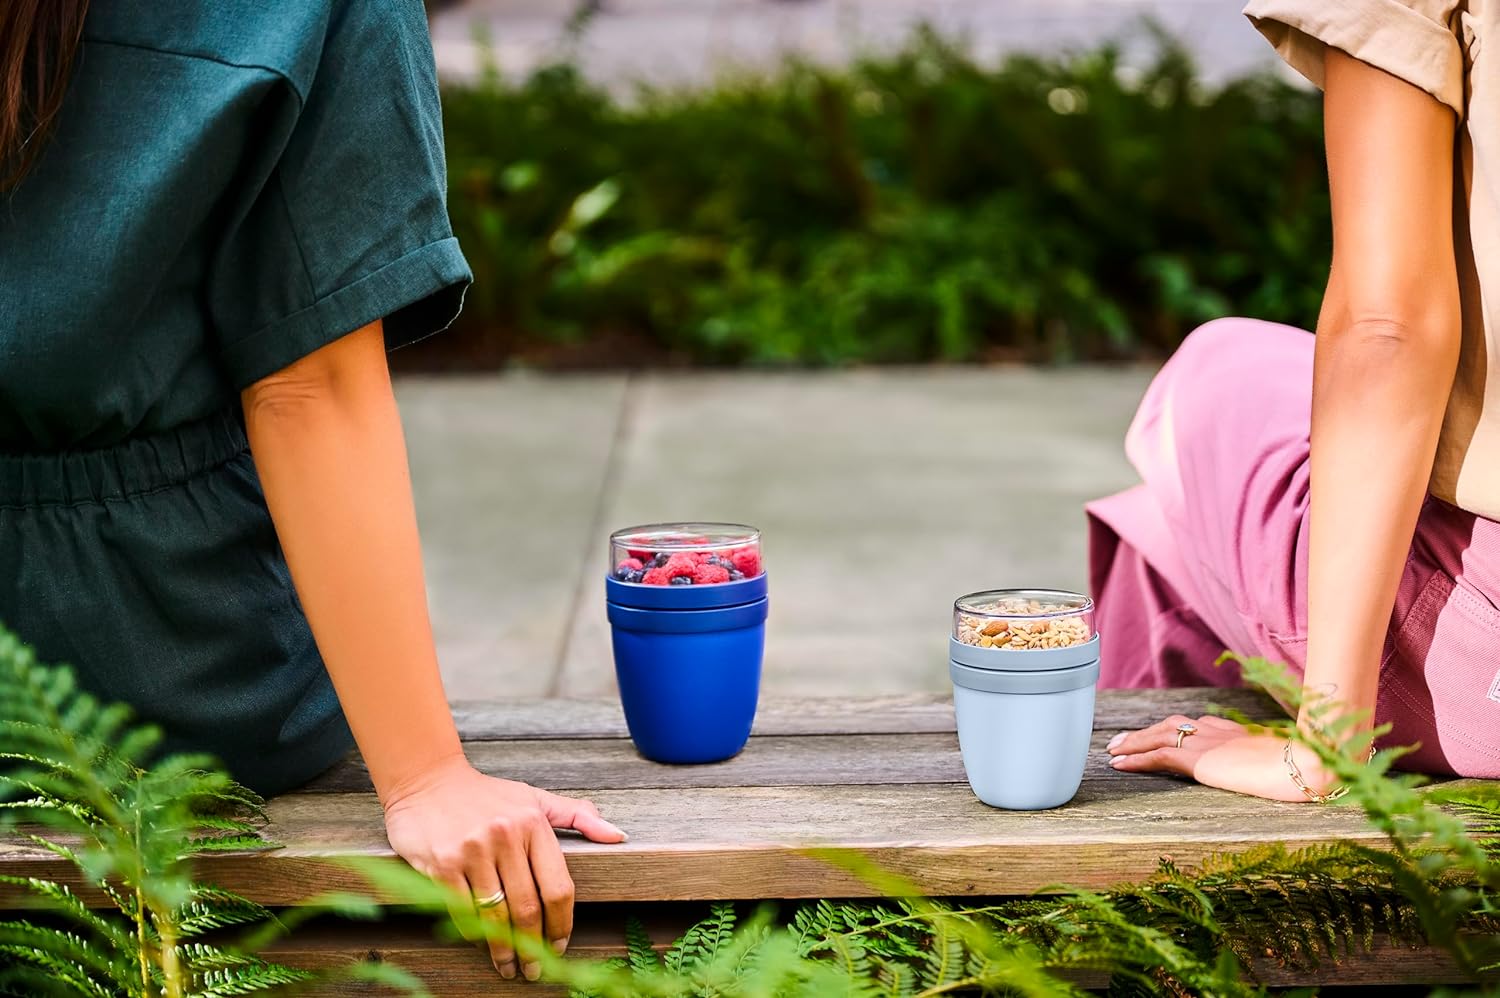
1210	552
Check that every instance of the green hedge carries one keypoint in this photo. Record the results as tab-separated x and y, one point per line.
914	207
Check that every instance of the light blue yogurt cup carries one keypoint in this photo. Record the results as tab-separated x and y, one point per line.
1024	665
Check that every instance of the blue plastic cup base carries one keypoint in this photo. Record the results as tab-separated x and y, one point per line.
689	679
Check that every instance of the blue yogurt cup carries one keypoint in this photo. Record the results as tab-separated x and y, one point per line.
688	662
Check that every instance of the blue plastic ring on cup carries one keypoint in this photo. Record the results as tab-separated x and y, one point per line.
634	594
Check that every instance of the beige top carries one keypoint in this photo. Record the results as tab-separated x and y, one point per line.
1436	45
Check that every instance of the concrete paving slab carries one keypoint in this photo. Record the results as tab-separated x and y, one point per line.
883	495
507	473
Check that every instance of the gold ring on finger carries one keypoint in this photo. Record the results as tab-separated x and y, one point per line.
1185	729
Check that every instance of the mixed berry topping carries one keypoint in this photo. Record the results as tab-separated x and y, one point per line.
688	568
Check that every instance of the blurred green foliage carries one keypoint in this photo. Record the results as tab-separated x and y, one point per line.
912	207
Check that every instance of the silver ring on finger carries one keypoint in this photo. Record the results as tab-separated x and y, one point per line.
1184	729
495	900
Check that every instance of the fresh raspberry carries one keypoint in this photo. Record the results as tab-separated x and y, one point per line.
657	577
681	565
747	560
703	557
642	554
708	575
630	565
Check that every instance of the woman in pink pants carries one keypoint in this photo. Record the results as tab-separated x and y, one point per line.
1331	502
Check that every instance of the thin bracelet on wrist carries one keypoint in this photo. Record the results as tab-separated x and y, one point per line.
1313	795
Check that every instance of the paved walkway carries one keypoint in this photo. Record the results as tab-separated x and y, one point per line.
882	495
688	42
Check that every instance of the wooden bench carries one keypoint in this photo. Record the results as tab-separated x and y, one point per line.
882	775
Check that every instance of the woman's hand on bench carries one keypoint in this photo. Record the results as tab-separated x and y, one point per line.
486	837
1218	753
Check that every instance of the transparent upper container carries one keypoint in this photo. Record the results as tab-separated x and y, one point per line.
685	554
1023	619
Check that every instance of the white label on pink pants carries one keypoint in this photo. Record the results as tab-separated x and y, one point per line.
1495	689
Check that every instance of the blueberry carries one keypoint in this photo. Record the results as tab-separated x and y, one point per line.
735	575
682	580
660	561
622	574
635	575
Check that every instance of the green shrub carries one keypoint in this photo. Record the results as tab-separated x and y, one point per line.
913	207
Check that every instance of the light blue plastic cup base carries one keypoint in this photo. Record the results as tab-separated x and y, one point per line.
1024	732
1024	751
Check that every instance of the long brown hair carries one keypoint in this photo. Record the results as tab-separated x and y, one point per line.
38	41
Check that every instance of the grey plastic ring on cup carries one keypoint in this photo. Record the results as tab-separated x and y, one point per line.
1024	683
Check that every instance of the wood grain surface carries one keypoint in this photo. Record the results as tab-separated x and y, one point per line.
881	777
907	713
750	842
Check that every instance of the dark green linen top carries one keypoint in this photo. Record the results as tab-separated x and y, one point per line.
230	186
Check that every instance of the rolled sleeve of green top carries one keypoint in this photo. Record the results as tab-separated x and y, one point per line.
342	218
228	188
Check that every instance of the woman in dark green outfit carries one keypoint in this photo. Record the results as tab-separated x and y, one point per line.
211	228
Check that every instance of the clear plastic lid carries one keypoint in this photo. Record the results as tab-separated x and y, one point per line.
1023	619
685	554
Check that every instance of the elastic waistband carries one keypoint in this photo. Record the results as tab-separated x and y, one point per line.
138	465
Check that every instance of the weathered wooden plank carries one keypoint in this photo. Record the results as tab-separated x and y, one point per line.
776	760
450	969
817	753
748	842
457	969
768	761
914	713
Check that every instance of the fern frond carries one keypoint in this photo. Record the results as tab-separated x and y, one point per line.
45	807
212	909
51	949
78	976
244	979
201	958
700	944
205	824
638	948
20	980
58	898
225	843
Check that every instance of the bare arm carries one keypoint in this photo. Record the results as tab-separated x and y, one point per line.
330	452
328	445
1387	349
1384	361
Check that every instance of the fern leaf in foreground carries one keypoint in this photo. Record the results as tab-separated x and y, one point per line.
639	950
82	773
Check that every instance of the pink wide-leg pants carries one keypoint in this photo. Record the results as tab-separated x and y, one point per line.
1210	552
